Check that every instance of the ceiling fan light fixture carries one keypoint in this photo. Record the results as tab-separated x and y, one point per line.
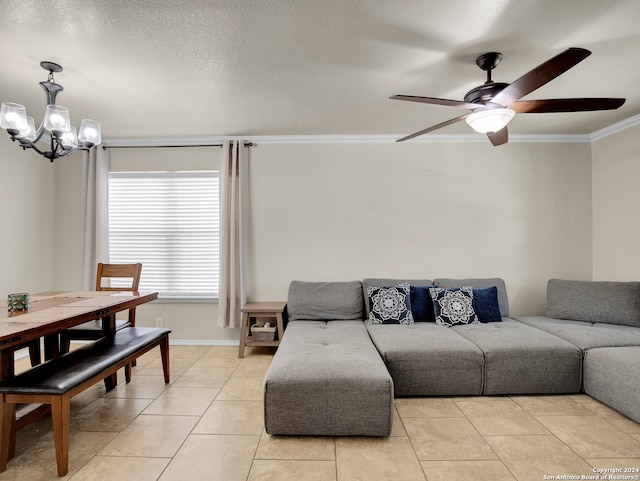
490	120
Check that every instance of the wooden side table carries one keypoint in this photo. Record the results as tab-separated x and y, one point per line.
253	310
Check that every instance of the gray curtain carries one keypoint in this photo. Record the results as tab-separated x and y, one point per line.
95	179
234	180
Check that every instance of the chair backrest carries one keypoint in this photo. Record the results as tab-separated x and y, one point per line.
108	271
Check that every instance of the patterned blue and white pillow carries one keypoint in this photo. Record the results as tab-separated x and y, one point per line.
453	306
390	305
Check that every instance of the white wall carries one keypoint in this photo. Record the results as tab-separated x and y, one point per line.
27	219
616	211
423	210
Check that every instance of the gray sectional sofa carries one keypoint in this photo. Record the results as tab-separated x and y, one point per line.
335	373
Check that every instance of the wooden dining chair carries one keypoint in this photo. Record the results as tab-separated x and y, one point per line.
93	330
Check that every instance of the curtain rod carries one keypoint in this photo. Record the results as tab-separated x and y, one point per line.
105	147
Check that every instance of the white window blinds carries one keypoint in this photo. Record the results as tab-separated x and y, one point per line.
168	221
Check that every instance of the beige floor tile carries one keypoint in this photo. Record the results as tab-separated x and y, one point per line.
466	471
183	401
107	414
252	367
440	439
397	429
636	436
212	457
177	367
280	470
551	405
241	389
121	468
430	407
149	356
222	351
620	463
232	417
599	409
591	436
145	387
36	461
617	419
626	425
377	459
317	448
217	361
87	396
532	457
188	352
502	417
477	408
151	436
211	377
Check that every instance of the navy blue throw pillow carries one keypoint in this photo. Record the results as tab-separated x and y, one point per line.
485	303
422	304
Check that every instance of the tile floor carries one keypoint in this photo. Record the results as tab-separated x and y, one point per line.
208	425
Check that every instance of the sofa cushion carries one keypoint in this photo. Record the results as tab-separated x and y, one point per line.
390	305
612	376
327	378
386	282
606	302
585	335
425	359
521	359
321	301
453	306
503	299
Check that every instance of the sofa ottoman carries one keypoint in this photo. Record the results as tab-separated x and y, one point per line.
612	375
327	377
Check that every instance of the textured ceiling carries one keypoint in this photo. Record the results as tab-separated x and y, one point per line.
309	67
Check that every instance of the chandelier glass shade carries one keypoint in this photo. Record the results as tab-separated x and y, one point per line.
63	139
490	120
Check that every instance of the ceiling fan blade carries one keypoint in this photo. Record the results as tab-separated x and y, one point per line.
434	127
566	105
437	101
500	137
540	75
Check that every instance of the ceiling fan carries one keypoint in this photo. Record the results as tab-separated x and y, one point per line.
494	104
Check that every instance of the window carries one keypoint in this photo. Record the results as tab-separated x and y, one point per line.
168	221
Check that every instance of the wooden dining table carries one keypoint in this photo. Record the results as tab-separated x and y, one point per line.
50	313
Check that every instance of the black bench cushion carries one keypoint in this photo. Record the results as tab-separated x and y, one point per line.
62	374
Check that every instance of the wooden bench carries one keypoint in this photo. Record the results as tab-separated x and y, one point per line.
55	382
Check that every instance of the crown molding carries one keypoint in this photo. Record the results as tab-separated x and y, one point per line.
205	141
615	128
214	140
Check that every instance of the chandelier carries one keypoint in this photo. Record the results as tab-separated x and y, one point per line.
62	136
